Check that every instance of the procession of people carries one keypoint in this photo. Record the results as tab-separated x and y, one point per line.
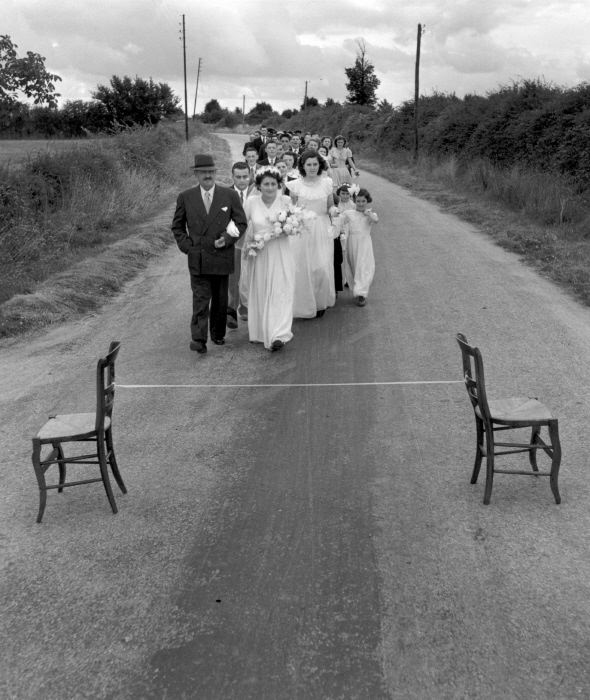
292	231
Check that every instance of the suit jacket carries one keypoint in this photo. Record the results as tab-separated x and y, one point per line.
251	188
196	231
264	161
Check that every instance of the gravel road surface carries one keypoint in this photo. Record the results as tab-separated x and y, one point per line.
307	538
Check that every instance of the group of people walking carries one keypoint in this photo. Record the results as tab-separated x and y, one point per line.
291	232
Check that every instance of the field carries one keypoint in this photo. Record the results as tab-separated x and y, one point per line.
16	151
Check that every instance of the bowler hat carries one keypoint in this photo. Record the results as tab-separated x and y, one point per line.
203	161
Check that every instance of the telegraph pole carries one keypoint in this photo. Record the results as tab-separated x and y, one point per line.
417	90
197	89
243	109
185	95
305	105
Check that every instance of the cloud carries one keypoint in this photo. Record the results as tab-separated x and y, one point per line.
267	49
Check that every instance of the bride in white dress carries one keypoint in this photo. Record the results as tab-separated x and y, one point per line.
313	250
270	276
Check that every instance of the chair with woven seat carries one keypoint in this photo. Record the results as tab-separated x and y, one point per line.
82	428
507	414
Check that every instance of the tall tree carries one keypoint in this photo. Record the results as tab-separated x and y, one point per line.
362	82
24	76
137	101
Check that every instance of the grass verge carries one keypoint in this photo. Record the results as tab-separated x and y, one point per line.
535	216
74	269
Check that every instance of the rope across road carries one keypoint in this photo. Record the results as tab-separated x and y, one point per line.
286	385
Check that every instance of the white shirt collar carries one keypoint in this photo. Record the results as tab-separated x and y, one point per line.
211	192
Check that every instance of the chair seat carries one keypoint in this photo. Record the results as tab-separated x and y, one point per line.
517	408
70	424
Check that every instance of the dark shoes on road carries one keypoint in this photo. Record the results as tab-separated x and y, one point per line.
218	341
277	345
361	301
232	320
198	346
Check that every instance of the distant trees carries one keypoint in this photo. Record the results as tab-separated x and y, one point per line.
213	112
311	102
260	112
137	101
362	82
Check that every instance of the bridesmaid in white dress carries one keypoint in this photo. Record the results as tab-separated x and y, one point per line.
270	279
314	249
360	260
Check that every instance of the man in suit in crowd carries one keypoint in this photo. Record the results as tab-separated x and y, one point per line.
261	139
254	137
252	161
271	154
240	173
296	144
200	224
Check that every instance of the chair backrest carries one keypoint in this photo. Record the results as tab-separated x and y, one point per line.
105	384
473	376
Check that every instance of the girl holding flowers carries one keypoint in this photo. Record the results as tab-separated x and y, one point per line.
269	281
360	260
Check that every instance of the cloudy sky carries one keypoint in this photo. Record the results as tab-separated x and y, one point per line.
267	49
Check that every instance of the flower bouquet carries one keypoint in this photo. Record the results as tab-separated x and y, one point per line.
287	222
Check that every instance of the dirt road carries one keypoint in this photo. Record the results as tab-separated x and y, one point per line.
308	539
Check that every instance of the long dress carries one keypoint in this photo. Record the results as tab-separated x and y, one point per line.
342	207
270	277
337	158
313	249
359	257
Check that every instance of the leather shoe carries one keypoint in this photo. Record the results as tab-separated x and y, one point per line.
218	341
231	323
277	345
198	346
361	301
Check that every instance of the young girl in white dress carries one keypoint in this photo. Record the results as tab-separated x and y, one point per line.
270	280
356	225
313	250
344	202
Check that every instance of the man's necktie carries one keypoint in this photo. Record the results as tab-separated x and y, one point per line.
207	201
242	196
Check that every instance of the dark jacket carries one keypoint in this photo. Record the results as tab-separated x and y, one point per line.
196	231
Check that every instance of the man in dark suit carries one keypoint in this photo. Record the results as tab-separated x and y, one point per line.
200	223
240	174
270	156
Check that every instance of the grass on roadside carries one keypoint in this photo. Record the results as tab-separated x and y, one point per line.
539	216
85	230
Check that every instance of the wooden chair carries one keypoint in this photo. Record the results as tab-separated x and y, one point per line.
82	427
507	414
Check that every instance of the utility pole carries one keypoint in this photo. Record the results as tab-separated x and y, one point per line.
197	89
243	109
305	105
185	95
417	90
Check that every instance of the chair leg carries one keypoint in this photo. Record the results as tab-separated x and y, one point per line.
478	450
113	460
61	466
104	472
533	452
40	474
556	459
489	465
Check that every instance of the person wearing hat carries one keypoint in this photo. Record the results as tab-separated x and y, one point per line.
200	227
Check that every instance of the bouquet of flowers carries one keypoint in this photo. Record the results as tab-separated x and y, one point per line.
287	222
